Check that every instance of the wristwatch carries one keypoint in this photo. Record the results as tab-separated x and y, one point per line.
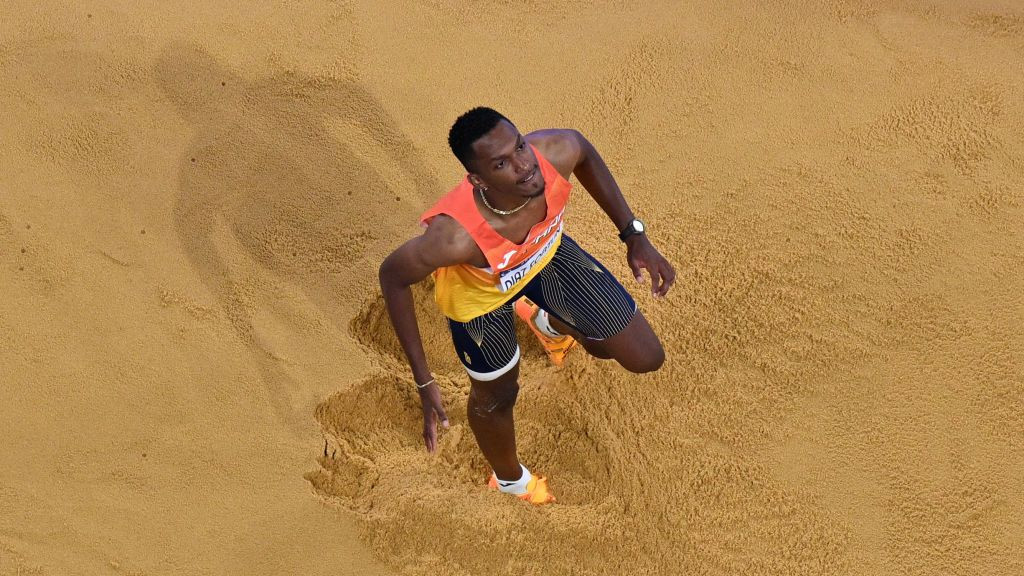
635	226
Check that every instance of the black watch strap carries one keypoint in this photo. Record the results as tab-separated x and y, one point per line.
634	227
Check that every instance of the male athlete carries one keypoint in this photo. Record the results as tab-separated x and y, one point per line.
495	246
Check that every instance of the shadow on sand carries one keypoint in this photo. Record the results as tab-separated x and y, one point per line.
286	165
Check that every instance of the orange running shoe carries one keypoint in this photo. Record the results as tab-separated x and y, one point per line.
556	348
536	490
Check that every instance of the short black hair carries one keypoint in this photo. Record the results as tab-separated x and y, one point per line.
469	128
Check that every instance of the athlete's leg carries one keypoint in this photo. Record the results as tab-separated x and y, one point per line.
490	410
591	346
637	348
487	347
584	300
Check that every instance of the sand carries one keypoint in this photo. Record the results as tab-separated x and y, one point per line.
196	371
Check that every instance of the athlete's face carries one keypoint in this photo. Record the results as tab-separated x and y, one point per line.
506	163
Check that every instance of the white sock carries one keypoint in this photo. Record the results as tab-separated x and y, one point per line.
515	486
542	324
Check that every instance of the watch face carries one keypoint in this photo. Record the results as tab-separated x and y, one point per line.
633	228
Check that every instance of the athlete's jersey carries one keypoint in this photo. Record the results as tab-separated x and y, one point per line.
464	292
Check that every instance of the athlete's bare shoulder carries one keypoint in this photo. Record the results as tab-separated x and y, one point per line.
562	147
444	243
450	243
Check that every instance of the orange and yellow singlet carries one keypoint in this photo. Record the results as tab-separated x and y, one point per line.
464	292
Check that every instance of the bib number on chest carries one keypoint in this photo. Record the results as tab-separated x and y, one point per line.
510	278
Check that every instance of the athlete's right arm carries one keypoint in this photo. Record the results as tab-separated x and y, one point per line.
445	243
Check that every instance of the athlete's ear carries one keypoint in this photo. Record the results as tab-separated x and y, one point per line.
475	180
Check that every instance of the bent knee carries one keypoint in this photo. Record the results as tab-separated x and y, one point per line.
648	362
494	399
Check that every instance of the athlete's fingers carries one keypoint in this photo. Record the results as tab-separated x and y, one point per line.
427	441
658	283
655	279
430	437
668	277
672	277
636	267
437	405
429	430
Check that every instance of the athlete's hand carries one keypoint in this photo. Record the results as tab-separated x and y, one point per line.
641	255
430	398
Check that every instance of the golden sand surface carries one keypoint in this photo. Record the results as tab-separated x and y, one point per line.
196	371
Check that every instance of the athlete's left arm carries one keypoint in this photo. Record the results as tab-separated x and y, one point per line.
570	151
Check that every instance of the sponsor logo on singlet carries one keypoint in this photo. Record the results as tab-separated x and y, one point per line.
508	255
508	279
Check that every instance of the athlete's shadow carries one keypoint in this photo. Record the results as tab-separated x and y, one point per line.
294	173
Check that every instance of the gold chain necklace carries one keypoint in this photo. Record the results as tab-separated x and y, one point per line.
502	212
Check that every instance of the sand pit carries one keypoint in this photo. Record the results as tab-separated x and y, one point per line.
197	375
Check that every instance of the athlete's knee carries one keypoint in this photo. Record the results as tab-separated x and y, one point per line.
649	361
496	398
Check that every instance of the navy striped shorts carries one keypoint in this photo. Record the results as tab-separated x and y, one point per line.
573	287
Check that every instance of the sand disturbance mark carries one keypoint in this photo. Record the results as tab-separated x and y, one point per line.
998	25
956	128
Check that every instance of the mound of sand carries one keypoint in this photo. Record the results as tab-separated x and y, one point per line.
194	355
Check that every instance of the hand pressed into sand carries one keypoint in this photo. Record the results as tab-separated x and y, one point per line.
430	398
